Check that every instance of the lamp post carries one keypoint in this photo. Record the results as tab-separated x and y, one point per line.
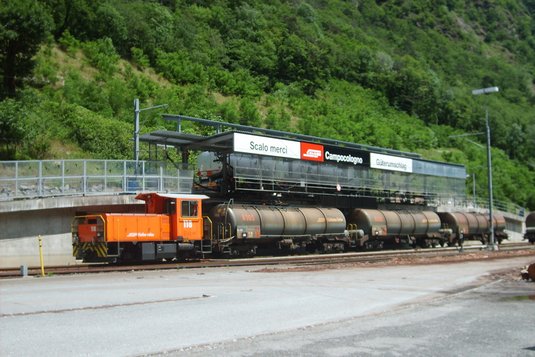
474	189
492	241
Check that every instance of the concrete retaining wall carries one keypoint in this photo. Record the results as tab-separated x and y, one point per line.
57	250
21	222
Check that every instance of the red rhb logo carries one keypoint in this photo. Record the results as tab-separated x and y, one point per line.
311	152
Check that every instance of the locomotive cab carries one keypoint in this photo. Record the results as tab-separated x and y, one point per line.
172	227
184	211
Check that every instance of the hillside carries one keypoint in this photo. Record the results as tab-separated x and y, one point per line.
396	74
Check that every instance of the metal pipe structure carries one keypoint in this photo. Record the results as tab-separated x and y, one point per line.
492	240
136	130
474	188
136	125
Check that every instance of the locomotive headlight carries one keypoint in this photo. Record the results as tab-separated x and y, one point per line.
244	235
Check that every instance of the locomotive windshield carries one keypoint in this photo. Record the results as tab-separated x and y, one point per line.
189	208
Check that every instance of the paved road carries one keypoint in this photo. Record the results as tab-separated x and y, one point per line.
398	310
495	319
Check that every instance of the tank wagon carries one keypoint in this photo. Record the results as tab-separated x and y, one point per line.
177	227
472	226
530	228
289	229
382	227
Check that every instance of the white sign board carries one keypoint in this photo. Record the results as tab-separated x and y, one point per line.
393	163
260	145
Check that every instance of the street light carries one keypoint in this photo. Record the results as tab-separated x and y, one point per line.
489	90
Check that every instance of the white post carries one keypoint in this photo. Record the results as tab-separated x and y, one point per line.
492	240
136	130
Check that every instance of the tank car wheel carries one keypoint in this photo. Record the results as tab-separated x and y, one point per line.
420	243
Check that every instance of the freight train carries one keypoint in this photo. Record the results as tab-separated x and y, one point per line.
530	228
176	227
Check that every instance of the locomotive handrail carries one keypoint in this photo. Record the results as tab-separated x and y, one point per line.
211	226
221	232
230	237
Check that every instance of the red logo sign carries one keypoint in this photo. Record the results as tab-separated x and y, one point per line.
311	152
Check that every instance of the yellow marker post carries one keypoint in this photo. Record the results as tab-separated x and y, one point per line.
41	256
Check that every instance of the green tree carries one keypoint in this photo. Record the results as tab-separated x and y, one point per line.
11	128
24	25
110	23
76	16
249	114
306	62
149	26
101	54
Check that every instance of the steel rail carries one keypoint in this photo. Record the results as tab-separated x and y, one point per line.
301	260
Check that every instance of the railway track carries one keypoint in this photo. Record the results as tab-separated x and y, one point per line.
409	256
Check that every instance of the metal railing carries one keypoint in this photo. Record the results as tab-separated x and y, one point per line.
482	205
343	181
46	178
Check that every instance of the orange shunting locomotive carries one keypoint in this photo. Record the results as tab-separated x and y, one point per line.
172	226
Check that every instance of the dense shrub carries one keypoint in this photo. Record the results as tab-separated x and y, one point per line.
388	73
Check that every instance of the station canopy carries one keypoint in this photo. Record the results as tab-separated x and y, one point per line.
242	139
